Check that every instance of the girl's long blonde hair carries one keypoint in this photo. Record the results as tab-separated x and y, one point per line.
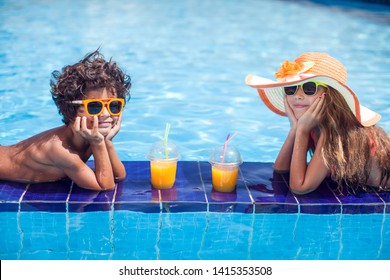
349	147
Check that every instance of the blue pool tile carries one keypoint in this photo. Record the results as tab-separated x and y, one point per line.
187	195
9	206
10	194
230	202
135	192
165	195
259	190
82	200
227	207
11	191
87	207
145	207
268	189
385	197
321	201
189	185
358	202
239	201
137	170
258	173
182	206
50	197
136	187
82	195
54	191
171	202
31	206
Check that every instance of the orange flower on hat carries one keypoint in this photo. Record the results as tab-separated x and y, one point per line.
288	68
292	68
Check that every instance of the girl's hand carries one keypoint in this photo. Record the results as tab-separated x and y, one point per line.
115	129
290	114
92	136
311	118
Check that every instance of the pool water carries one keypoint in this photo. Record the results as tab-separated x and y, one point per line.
192	236
188	60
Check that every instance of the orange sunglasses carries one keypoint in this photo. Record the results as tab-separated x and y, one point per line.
94	107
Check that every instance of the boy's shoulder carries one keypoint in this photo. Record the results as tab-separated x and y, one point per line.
55	138
59	145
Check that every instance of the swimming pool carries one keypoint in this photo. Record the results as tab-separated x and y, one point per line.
123	235
188	60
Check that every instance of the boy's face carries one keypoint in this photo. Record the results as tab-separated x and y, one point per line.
106	120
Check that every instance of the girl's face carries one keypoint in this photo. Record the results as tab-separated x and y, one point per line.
105	120
301	102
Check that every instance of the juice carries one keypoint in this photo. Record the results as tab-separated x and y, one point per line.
163	174
224	177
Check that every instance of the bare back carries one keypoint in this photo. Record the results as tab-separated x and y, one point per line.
42	158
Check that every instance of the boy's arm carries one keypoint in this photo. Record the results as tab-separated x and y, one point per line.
102	178
118	168
78	171
103	167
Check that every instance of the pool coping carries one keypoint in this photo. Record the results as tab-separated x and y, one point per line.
259	190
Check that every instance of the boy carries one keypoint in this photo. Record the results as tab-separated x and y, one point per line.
90	95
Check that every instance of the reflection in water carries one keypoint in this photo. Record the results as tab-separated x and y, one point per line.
224	196
164	194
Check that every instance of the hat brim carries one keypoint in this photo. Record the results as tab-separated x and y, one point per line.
272	94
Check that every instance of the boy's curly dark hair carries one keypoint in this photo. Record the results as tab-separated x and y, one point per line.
91	73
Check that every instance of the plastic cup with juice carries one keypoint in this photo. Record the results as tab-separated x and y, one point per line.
163	164
224	168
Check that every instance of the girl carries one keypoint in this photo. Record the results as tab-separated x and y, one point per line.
327	120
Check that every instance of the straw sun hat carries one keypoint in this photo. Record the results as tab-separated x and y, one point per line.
310	67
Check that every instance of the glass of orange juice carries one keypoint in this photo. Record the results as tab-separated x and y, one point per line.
224	168
163	164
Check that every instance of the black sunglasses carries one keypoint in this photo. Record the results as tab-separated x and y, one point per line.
309	88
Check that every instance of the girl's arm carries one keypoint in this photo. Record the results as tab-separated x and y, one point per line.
305	177
283	161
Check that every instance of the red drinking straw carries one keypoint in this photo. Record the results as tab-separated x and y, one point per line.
224	147
228	139
167	127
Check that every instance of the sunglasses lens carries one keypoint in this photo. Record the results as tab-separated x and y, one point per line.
290	90
115	107
309	88
94	108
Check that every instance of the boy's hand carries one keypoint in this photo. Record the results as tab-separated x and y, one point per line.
92	136
115	129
